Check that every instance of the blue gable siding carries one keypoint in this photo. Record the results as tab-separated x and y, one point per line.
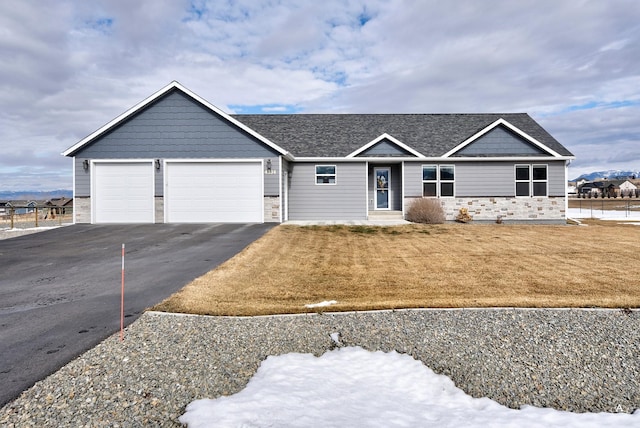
176	127
385	148
500	142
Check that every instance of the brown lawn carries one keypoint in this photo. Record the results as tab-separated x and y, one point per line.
430	266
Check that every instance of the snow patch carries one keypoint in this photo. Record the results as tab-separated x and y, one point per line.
351	387
321	304
577	213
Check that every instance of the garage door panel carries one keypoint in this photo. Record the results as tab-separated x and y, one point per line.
123	193
205	192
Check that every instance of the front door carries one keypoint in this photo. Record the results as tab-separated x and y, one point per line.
382	186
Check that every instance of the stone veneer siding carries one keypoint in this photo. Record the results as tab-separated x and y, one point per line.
159	209
549	209
82	209
271	209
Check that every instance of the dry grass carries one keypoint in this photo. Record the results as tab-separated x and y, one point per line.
444	266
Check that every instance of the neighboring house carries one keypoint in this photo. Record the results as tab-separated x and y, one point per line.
176	158
581	182
595	188
20	206
60	205
610	188
627	188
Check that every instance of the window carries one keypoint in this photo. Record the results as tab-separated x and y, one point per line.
539	180
429	180
523	181
447	175
325	174
438	180
531	180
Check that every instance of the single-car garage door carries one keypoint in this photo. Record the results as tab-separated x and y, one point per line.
213	192
123	192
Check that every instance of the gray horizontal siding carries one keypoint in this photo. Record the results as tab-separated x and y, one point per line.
346	200
485	179
413	179
176	127
557	179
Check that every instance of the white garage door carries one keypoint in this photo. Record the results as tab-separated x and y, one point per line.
123	192
214	192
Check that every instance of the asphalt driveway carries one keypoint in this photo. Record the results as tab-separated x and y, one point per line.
60	289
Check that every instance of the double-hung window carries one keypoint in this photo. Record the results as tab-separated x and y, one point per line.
531	180
325	174
438	180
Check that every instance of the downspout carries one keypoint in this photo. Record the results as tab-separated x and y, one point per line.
566	192
402	189
366	187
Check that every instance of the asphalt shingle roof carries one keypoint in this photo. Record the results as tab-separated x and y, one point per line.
337	135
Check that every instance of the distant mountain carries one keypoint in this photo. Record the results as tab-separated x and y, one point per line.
35	194
612	174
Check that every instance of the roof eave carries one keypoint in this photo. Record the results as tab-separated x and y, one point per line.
434	159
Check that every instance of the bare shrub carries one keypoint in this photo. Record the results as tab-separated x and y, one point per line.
426	210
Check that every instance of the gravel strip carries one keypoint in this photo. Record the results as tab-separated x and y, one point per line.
569	359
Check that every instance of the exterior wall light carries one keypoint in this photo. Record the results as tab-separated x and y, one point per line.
85	164
268	165
157	163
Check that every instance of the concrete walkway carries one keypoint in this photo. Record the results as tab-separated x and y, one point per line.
348	222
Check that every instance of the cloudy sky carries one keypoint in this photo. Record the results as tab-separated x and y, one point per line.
68	67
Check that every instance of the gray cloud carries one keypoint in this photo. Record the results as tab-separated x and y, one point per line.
69	67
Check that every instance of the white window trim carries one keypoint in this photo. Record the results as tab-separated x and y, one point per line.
531	181
438	181
334	175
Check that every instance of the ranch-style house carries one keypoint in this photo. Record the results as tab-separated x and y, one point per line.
176	158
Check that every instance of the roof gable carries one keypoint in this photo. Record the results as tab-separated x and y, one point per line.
427	135
153	99
501	139
500	142
385	146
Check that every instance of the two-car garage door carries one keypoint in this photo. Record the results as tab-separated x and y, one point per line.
194	192
213	192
